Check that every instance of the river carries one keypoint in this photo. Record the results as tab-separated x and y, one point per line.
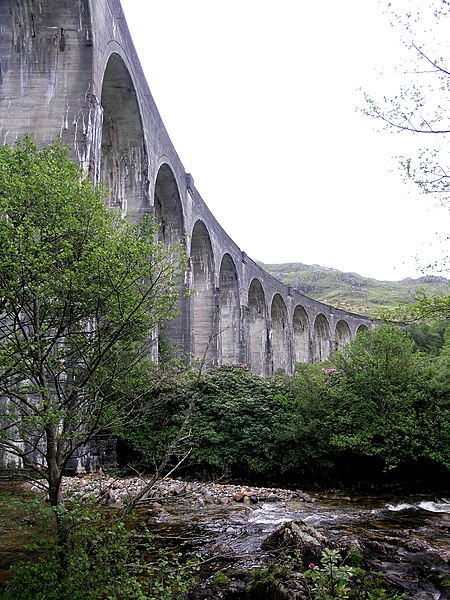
204	519
406	530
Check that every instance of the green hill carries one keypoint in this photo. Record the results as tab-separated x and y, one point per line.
350	291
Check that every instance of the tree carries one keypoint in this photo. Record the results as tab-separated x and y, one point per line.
429	337
237	422
370	405
82	294
383	400
419	104
419	107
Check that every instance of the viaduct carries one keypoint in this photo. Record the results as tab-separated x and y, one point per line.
69	68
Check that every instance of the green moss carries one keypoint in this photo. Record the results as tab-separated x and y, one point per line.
220	579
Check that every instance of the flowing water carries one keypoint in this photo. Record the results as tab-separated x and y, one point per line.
243	527
234	532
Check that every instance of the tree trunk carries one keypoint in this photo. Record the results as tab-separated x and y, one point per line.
54	477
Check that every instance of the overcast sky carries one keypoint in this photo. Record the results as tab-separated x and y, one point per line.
259	100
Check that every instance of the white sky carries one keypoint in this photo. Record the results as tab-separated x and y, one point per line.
259	100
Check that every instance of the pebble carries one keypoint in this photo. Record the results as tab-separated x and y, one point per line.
115	491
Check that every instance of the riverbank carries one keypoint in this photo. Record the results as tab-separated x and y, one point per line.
404	538
116	492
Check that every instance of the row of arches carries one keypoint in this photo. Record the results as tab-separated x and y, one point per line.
219	322
232	328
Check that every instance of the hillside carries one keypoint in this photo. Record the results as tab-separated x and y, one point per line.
350	291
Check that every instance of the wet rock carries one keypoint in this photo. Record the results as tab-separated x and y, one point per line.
239	496
272	498
293	589
233	588
414	545
248	497
304	497
297	535
421	573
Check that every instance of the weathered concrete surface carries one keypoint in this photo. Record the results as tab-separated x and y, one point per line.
69	68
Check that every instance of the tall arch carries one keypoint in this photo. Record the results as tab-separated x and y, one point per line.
280	336
321	342
300	332
229	313
168	207
169	215
342	334
124	161
258	334
204	326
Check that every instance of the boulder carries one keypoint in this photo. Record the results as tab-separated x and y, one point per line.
293	589
297	535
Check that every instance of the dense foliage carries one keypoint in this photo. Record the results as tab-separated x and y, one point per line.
108	558
238	420
376	404
82	292
380	404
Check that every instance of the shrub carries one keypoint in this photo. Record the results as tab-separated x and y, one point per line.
103	557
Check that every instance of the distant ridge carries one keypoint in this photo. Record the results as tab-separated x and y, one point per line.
351	291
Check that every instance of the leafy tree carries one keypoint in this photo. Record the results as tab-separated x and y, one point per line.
429	337
306	436
82	293
419	107
108	558
435	416
237	422
375	403
441	380
429	308
376	395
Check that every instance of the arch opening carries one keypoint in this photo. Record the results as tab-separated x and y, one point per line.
361	328
321	342
280	336
258	333
229	313
168	207
300	332
204	334
124	160
169	216
342	334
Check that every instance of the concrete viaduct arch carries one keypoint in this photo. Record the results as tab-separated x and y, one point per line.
70	68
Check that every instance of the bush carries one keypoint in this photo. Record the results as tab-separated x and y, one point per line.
374	407
238	420
102	557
